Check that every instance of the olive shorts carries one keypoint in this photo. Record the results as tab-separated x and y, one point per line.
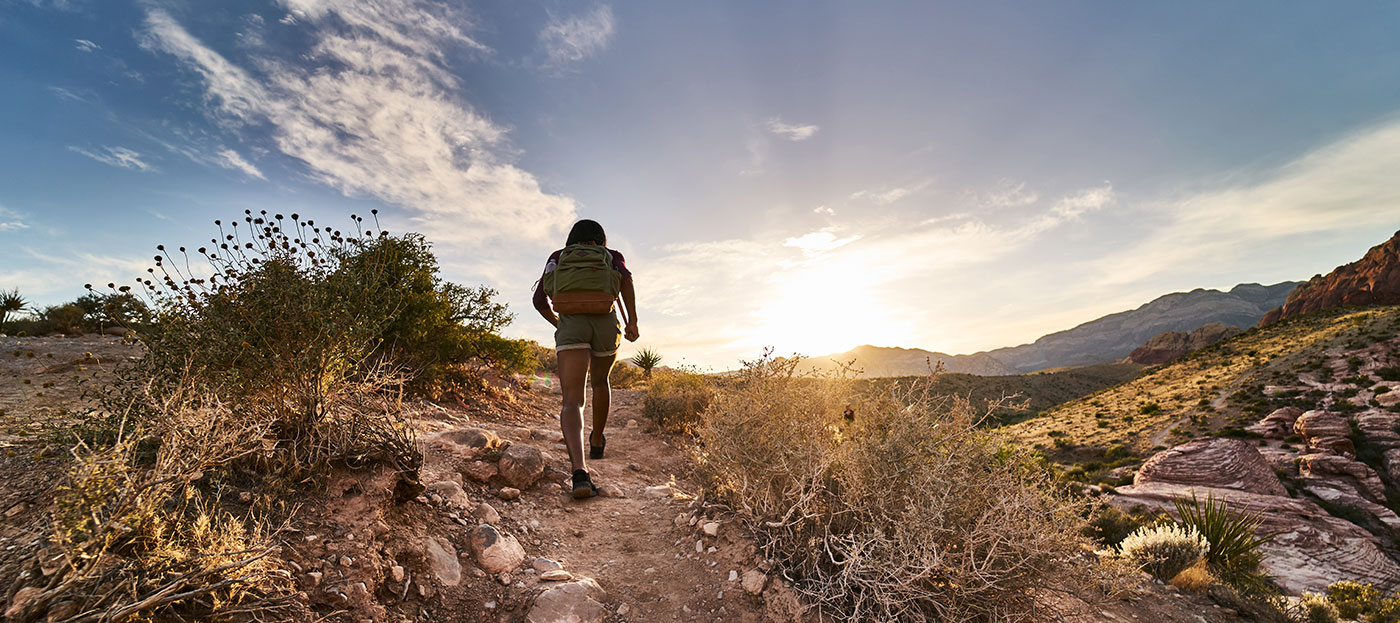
601	334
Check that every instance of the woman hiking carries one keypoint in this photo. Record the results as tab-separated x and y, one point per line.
580	283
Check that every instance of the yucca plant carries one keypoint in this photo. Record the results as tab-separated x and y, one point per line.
1234	554
10	303
646	359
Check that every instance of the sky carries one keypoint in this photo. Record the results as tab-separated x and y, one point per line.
805	175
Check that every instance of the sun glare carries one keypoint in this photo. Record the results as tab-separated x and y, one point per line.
825	306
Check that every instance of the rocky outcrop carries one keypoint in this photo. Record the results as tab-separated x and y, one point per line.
1172	345
1325	431
1310	549
1214	462
1341	473
1372	280
1279	424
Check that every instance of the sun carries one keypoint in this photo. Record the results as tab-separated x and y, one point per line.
823	308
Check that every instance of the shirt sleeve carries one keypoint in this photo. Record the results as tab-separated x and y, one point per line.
620	264
539	299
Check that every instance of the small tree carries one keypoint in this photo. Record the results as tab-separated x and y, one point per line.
646	359
10	303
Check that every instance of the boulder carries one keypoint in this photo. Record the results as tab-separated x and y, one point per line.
521	465
1341	473
1391	460
1212	462
1278	424
1379	429
486	513
580	601
442	561
1389	399
1311	424
496	552
1311	548
468	443
480	471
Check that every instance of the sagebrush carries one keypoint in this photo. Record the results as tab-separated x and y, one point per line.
1164	550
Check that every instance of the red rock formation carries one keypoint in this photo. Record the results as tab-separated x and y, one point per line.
1279	424
1172	345
1373	280
1214	462
1325	431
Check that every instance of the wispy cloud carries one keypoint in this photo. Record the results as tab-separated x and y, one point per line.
372	110
229	159
791	132
886	196
115	156
87	46
11	220
577	37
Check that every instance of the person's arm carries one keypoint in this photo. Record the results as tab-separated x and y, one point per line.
542	304
629	300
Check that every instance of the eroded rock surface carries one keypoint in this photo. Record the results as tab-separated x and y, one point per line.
496	552
1279	424
1213	462
521	465
579	601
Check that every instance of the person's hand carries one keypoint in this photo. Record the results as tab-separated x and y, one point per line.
631	333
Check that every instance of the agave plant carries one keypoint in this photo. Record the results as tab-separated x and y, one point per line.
10	303
1233	536
646	359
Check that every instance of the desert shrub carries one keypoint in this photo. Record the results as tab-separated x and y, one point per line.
1196	579
1164	550
1314	608
1234	554
546	358
1108	525
625	375
1149	408
676	398
113	309
1386	611
646	359
910	512
1389	373
67	318
1352	599
11	303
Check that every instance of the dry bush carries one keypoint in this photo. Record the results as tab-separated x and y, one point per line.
909	511
134	535
1196	578
675	398
1164	550
625	375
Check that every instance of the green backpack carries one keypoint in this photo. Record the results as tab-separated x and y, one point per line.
584	281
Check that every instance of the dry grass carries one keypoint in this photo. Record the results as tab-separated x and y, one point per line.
1195	579
676	398
910	511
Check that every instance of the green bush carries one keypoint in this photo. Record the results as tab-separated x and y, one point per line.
1353	599
1149	408
1386	611
625	375
1234	554
1164	550
1108	525
676	398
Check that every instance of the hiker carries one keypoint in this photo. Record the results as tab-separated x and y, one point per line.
582	283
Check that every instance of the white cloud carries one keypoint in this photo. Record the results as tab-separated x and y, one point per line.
791	132
886	196
11	220
87	46
116	156
229	159
1342	187
824	210
372	111
578	37
819	241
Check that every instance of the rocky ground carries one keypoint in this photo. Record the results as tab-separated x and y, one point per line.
495	537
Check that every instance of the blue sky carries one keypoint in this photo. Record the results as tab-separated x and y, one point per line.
807	175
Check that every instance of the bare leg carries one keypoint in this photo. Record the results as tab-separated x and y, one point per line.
598	372
573	370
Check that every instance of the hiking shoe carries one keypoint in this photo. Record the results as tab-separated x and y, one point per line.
583	486
596	452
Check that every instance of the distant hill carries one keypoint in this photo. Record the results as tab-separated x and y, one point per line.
1169	346
1372	280
880	361
1113	337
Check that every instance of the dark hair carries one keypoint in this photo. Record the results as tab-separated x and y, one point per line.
587	231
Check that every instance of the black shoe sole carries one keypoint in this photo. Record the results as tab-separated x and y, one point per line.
583	491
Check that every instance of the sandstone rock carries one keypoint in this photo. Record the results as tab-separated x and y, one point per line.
1212	462
1172	345
480	471
1391	459
556	575
23	599
1377	517
658	491
1372	280
496	552
1278	424
544	564
1380	429
508	493
1343	474
396	573
450	491
1321	424
314	578
467	443
753	581
711	528
611	491
1389	399
521	465
442	561
1311	550
485	513
579	601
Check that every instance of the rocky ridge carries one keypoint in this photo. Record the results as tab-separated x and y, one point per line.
1169	346
1372	280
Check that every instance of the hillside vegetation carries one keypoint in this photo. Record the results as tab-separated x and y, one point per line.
1219	389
